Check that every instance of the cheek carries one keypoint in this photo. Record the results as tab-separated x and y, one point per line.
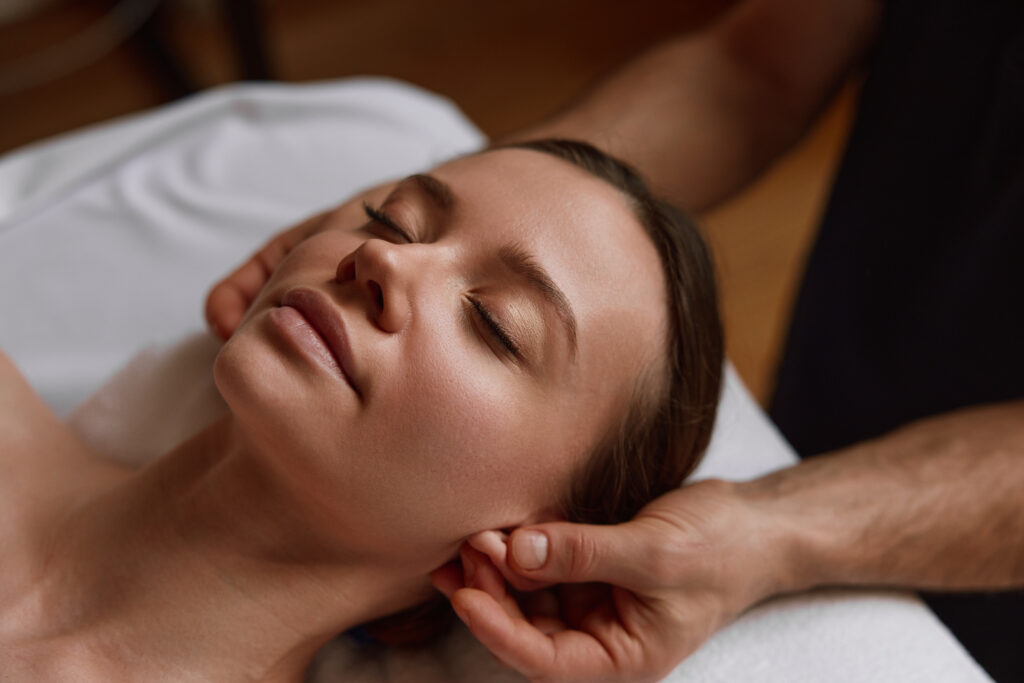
471	438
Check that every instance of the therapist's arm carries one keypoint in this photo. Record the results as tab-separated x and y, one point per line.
935	505
702	115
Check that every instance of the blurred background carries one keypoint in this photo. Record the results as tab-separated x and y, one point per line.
65	64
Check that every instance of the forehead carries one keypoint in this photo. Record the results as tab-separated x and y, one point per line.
583	232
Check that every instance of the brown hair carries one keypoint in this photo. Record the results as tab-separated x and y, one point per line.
664	433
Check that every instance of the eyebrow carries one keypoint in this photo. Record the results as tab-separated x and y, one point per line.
515	257
436	191
522	263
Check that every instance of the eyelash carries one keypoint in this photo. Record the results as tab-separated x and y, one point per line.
496	328
379	216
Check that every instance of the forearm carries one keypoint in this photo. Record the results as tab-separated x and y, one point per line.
702	115
935	505
679	114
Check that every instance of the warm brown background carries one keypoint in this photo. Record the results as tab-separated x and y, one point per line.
505	63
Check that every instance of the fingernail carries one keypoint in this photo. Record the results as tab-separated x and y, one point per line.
530	549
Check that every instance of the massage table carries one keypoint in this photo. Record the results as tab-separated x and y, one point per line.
110	238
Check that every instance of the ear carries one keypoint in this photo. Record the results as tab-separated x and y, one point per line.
493	544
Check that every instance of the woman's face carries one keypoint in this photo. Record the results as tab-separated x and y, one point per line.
439	364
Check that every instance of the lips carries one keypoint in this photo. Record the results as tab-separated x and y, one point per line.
325	319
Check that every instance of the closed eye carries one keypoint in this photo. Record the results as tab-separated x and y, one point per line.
494	326
497	330
396	230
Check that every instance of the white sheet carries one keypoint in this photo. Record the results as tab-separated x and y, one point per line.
109	239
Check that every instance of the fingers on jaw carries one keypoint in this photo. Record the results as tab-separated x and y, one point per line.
490	543
448	578
581	553
230	298
480	573
225	307
494	544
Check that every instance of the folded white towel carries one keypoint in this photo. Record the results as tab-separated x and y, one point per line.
153	403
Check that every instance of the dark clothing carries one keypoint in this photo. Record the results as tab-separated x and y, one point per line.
913	299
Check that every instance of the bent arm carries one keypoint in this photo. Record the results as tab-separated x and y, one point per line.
935	505
702	115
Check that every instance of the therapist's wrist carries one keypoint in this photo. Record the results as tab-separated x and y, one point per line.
794	544
731	536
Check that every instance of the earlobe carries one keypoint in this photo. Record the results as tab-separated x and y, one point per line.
494	544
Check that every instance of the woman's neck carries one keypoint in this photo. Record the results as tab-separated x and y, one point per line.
204	565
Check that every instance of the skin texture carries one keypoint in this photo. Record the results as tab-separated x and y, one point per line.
700	116
316	505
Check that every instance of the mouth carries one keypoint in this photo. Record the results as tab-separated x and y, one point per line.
325	320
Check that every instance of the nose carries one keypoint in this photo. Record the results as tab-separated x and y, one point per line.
382	276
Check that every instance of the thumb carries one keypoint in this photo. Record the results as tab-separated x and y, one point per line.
561	552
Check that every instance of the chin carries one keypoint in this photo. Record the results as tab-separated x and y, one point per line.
260	386
281	408
235	373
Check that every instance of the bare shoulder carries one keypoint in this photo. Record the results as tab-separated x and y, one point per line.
22	411
10	376
32	438
6	364
16	396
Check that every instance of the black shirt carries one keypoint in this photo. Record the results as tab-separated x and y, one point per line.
913	299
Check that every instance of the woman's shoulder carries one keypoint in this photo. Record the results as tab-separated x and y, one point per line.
24	416
17	404
12	383
36	448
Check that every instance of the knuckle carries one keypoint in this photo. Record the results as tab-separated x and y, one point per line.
583	555
266	260
663	565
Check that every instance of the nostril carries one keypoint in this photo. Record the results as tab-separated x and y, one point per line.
346	271
377	294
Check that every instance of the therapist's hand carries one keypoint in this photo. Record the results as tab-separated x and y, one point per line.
636	598
230	298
